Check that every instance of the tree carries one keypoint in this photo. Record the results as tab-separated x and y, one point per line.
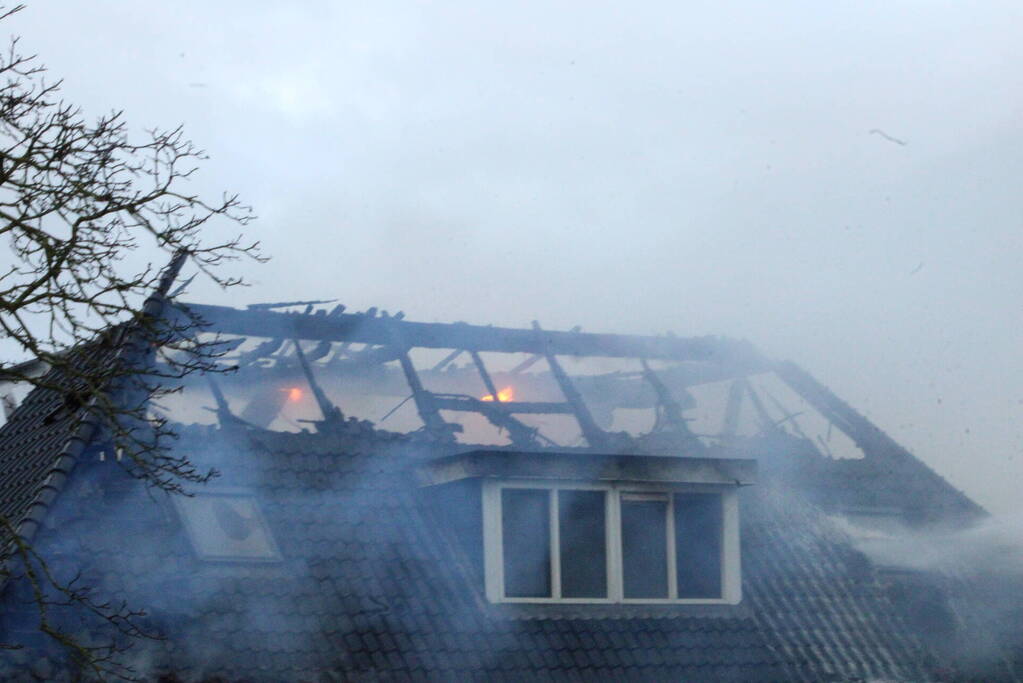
81	203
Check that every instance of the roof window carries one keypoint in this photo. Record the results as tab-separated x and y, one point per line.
226	526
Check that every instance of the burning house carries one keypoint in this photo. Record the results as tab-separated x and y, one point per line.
402	500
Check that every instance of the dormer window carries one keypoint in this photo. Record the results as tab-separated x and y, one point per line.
610	542
584	527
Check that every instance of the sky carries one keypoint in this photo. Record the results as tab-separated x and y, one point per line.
835	182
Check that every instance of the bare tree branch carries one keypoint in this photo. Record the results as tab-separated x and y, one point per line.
81	202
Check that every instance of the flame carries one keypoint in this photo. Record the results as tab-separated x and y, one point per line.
294	394
504	395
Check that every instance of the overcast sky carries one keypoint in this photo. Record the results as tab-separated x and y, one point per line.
705	168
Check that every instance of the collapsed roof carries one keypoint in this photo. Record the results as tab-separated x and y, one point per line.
364	574
562	389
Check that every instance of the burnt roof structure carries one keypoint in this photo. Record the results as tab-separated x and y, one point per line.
332	549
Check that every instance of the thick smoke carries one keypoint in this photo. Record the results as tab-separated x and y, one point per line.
962	590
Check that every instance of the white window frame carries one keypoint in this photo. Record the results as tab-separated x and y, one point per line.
493	541
186	510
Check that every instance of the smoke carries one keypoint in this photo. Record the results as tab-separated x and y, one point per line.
350	566
994	547
962	591
837	184
308	548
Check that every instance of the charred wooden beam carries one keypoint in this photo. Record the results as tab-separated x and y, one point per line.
320	351
446	360
426	402
264	405
526	364
536	358
225	417
368	329
734	404
485	376
222	347
520	434
286	304
469	404
790	417
224	413
498	414
766	422
261	351
374	355
672	409
595	436
332	415
877	445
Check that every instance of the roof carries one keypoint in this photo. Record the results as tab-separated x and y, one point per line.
370	583
42	439
889	477
373	577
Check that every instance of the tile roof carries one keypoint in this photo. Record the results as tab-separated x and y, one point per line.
41	441
371	585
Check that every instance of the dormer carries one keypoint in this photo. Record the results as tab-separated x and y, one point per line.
583	527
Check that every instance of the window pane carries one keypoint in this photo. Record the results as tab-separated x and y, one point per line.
698	532
583	551
525	525
644	547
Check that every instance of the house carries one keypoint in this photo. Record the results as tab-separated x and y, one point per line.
558	506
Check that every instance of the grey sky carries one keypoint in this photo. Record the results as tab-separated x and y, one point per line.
698	167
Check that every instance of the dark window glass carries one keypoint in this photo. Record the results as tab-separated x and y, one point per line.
698	538
644	546
583	550
525	524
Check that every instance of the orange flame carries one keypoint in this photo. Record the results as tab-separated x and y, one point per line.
504	395
294	394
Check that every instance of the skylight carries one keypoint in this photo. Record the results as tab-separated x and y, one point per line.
227	526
